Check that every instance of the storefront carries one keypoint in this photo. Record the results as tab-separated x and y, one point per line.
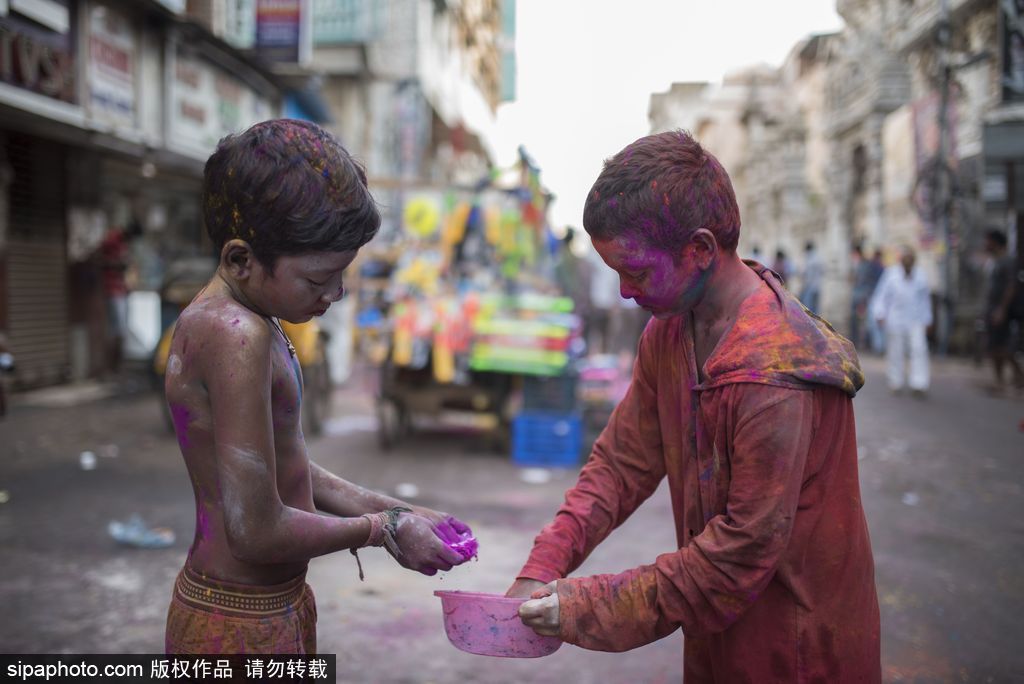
108	111
38	82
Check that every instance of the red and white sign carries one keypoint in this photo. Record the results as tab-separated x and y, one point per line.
110	70
208	102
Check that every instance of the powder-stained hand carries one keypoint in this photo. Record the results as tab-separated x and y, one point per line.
422	550
541	613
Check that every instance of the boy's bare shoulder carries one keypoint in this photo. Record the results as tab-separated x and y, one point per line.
223	329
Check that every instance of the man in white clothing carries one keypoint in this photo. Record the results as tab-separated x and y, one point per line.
813	274
902	305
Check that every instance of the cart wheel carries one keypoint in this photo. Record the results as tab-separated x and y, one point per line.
392	422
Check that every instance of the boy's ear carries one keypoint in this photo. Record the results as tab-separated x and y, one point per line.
237	257
704	248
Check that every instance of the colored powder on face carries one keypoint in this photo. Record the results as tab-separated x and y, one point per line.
180	416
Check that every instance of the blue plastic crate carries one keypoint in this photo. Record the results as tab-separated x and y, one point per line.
546	439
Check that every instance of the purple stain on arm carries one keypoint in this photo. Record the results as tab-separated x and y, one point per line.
180	416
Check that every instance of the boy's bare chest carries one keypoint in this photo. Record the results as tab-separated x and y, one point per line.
285	395
289	444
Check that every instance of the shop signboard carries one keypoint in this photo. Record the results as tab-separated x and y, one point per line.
279	29
208	102
110	70
37	48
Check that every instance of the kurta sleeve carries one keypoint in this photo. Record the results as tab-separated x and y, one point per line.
624	469
707	585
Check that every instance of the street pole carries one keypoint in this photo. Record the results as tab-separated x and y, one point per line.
943	199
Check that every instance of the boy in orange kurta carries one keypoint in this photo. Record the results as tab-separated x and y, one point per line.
743	400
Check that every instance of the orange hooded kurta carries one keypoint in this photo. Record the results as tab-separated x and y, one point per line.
773	579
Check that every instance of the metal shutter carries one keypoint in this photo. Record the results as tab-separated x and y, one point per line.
37	262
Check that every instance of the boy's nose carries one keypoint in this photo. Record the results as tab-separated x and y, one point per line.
331	297
627	292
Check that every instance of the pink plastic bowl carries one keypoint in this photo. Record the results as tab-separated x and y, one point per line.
489	624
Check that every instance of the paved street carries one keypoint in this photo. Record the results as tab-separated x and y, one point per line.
942	481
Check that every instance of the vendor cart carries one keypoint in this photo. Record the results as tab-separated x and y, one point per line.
410	398
476	370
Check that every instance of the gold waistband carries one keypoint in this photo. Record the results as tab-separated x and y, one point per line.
239	599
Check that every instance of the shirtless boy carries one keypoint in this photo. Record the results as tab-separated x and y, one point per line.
288	209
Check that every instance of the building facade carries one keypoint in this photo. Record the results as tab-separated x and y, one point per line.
106	125
841	145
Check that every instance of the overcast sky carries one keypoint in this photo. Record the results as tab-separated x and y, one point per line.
587	68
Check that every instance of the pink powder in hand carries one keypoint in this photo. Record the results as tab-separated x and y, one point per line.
466	546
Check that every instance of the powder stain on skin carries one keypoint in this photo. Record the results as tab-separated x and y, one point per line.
180	417
202	522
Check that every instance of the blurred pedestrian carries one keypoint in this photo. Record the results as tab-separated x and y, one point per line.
755	254
813	275
782	266
743	402
864	332
114	262
876	336
1003	292
902	306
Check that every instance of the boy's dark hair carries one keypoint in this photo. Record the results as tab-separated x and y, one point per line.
663	187
997	236
287	187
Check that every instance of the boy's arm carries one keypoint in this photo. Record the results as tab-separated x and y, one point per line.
333	494
706	586
623	470
338	496
260	528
